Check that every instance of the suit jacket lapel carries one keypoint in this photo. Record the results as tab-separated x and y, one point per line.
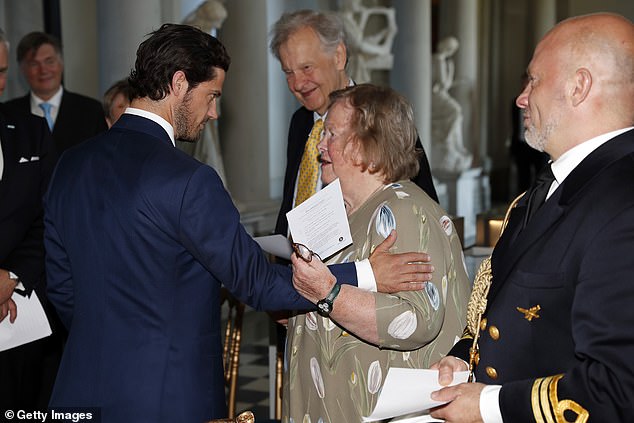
515	241
303	130
8	151
591	166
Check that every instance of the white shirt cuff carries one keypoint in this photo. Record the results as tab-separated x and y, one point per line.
365	276
490	404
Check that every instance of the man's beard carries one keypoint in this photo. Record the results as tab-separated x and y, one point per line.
184	128
538	140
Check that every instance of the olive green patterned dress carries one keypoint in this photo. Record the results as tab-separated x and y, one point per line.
332	376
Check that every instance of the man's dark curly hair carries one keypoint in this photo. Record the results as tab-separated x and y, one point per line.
171	48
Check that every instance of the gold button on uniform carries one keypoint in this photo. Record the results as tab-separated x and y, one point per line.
483	324
491	372
494	332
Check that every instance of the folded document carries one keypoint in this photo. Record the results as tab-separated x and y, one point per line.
407	392
30	325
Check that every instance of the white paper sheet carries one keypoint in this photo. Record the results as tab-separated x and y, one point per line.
30	325
321	223
277	245
408	391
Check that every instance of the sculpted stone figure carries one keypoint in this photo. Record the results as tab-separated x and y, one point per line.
449	152
369	48
208	16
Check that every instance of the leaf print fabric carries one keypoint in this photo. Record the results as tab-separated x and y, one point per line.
335	377
403	326
318	380
385	221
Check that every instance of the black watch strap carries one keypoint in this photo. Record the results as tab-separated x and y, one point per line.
325	306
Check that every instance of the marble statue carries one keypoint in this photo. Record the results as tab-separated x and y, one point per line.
448	151
209	17
369	49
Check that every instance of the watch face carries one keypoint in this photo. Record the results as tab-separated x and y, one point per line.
324	307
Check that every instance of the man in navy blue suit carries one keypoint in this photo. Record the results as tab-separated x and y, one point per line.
140	237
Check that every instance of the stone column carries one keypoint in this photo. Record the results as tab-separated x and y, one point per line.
122	25
244	125
18	18
411	73
79	38
544	17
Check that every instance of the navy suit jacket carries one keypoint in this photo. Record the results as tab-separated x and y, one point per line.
29	158
78	119
140	237
574	261
300	127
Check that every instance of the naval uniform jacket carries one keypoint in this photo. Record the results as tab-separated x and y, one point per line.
558	331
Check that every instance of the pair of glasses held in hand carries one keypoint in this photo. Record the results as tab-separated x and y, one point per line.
304	252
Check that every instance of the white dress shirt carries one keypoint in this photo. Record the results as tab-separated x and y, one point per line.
54	101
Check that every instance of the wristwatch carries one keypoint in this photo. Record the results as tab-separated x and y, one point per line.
324	307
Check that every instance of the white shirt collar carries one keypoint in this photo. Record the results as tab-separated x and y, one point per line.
564	165
54	101
155	118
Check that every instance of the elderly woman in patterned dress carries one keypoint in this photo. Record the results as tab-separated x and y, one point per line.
336	363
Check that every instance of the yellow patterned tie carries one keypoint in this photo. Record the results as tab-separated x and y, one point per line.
309	166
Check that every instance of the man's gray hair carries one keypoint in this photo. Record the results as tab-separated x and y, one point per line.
327	25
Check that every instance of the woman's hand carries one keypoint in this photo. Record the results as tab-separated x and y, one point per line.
313	280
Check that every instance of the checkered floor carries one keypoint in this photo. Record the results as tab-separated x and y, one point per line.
253	373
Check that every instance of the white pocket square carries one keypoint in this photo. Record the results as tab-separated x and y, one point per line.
23	160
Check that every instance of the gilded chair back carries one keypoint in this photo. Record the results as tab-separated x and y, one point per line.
234	312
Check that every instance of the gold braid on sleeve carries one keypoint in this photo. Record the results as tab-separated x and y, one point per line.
478	299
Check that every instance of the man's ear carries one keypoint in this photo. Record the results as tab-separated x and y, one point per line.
340	56
179	84
582	85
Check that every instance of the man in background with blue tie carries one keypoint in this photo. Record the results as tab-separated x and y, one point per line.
71	117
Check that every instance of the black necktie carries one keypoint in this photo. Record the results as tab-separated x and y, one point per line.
538	192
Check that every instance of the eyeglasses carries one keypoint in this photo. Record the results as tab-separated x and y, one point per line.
304	252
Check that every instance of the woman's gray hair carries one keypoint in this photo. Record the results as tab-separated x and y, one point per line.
327	25
382	122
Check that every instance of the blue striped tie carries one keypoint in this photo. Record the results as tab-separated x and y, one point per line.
46	107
